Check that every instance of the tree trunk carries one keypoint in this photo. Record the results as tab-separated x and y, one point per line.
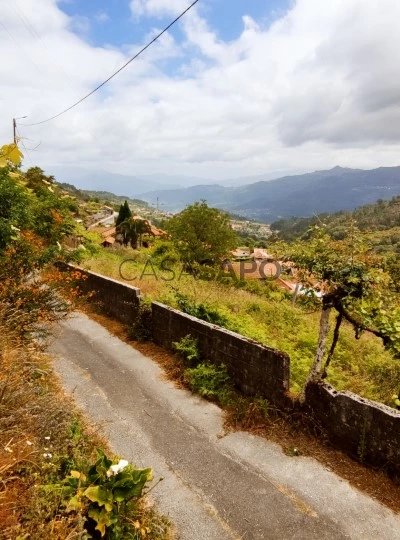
316	368
339	320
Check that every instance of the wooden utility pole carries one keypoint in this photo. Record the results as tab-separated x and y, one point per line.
15	127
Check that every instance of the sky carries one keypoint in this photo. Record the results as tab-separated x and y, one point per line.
236	89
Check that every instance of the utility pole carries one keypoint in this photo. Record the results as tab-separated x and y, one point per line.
15	128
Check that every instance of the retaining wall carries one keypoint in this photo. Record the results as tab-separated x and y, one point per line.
365	429
256	370
117	299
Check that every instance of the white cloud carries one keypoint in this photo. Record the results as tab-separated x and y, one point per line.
158	8
319	87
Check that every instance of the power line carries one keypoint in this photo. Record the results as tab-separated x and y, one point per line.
20	47
119	70
33	32
24	147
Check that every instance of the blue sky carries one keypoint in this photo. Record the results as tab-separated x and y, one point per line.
110	21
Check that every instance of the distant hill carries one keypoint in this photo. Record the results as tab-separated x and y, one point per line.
379	217
299	195
86	194
132	185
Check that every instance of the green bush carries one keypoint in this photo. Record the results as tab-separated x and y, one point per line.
104	494
210	381
188	350
201	311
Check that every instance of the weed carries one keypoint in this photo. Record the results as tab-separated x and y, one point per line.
105	493
188	350
201	311
210	381
142	328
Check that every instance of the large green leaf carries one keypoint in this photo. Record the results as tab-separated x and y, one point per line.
103	519
100	495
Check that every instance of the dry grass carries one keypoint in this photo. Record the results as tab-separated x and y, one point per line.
43	436
297	434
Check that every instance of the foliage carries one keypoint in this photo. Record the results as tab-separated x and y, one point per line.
188	350
202	234
353	284
200	311
265	314
124	213
104	493
43	436
164	250
15	203
10	155
133	229
210	381
380	216
141	329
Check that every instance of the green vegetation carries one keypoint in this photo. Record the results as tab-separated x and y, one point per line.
188	350
133	230
354	285
262	312
210	381
48	485
377	217
106	197
206	379
108	493
201	234
124	213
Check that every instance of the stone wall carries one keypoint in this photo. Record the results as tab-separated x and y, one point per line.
256	370
365	429
119	300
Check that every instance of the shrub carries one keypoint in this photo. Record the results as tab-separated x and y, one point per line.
201	311
142	328
210	381
105	494
188	350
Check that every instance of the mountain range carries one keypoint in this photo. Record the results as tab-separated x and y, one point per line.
258	197
299	195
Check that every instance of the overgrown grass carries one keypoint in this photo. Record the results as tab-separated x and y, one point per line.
263	313
42	439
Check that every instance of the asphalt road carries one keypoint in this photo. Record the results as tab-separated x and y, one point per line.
215	486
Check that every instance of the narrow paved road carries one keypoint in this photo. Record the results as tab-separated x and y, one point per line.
215	486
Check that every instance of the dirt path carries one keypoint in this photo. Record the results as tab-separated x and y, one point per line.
215	486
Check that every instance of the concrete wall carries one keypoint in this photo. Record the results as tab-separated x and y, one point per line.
117	299
365	429
255	370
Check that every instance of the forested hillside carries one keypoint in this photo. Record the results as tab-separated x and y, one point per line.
381	216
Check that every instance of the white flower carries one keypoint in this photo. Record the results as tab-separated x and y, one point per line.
49	456
29	443
47	438
115	469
